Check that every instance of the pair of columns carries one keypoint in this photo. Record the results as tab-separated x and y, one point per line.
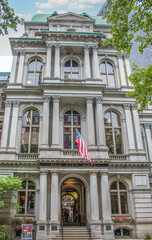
99	122
17	70
9	133
135	142
105	197
55	122
54	207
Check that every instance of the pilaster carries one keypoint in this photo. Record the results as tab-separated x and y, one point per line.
90	122
45	131
48	60
121	71
14	67
57	61
148	133
87	70
21	67
95	63
55	124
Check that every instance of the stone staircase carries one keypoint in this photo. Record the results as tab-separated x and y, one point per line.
75	233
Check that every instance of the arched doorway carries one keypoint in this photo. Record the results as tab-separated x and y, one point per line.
73	202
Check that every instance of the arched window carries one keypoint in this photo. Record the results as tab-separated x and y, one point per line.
122	232
71	121
113	132
26	197
71	70
34	76
30	132
119	202
107	73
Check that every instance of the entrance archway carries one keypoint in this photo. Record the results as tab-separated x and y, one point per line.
73	202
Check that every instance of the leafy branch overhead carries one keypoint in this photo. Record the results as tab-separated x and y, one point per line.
132	19
8	19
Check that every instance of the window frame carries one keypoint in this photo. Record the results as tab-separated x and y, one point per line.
112	127
26	190
71	72
117	192
35	71
71	126
106	74
30	126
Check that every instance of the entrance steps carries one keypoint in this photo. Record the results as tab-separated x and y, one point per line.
75	233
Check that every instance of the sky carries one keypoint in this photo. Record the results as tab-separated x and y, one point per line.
27	8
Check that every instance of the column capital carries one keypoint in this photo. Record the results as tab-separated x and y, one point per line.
54	171
134	106
46	98
89	99
93	172
43	172
147	125
99	99
49	44
57	45
126	106
15	52
22	52
16	103
8	103
86	46
103	172
95	47
56	98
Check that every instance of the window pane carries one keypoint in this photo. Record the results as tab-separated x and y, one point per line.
109	140
113	186
115	120
67	138
30	79
22	201
118	141
25	140
75	146
110	68
123	202
118	232
76	118
31	185
75	76
39	66
102	68
30	202
74	64
34	139
67	64
31	66
107	119
24	185
67	118
38	78
114	203
104	78
111	81
122	186
67	70
35	118
126	232
27	118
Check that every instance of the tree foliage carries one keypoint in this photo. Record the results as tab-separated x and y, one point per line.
127	18
8	19
8	185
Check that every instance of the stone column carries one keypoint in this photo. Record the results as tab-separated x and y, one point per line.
21	68
94	197
82	204
43	197
137	129
6	124
128	70
48	60
14	125
149	139
54	198
100	122
55	122
57	62
14	67
95	63
45	128
87	70
90	122
121	71
130	132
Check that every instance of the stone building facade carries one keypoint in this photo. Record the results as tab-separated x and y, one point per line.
62	77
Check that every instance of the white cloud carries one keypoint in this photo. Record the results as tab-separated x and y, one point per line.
40	11
91	1
76	5
52	3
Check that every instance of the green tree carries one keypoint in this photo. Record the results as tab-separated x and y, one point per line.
8	186
8	19
127	18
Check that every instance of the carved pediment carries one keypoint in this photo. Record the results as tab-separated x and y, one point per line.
71	17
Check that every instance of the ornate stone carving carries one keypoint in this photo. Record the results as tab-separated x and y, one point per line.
147	125
46	98
56	98
126	106
16	103
134	106
8	103
99	99
49	44
89	99
22	52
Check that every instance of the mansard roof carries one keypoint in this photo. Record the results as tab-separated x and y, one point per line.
43	18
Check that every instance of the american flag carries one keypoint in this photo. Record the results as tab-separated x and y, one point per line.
82	147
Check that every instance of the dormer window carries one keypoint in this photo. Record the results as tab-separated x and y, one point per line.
71	70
